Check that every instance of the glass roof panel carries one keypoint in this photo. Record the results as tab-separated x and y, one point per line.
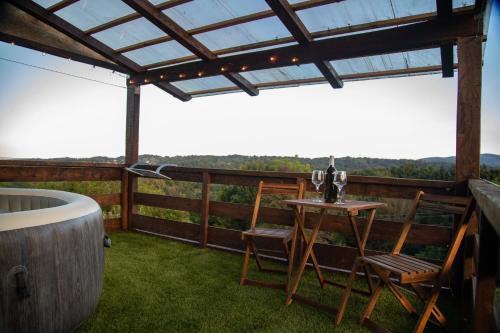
158	53
306	71
129	33
353	12
247	33
46	3
205	83
387	62
86	14
198	13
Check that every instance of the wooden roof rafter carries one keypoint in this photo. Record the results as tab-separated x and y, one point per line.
445	12
284	40
126	65
427	34
60	5
298	30
169	26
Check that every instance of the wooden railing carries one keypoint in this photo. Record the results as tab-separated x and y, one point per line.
206	235
485	254
43	171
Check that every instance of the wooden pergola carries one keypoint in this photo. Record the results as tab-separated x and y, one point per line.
306	54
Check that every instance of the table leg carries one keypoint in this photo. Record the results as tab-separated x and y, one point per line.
307	253
361	251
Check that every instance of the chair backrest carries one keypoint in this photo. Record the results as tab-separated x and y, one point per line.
295	190
459	206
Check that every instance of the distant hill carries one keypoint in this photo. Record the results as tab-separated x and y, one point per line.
236	161
490	160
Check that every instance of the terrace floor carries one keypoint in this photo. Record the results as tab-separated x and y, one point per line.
158	285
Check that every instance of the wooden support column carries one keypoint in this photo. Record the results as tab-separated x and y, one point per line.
468	110
205	208
129	181
486	278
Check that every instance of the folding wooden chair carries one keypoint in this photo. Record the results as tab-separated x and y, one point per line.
285	235
412	271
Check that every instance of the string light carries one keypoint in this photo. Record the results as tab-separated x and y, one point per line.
273	59
182	76
200	74
162	77
146	81
131	81
44	54
244	68
223	69
295	60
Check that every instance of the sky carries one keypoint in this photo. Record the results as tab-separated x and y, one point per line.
45	114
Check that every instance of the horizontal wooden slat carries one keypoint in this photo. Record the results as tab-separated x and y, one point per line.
166	227
60	164
421	234
105	200
164	201
11	173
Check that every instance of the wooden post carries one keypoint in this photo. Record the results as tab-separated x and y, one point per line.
205	208
486	278
468	109
129	185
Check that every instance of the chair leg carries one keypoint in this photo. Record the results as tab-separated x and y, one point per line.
256	255
429	306
436	313
244	270
373	301
395	291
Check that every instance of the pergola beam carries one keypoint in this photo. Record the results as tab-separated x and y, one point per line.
445	12
299	31
405	38
163	22
60	5
76	34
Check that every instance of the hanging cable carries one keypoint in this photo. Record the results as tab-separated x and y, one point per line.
62	73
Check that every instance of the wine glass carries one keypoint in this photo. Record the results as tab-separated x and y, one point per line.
339	180
317	178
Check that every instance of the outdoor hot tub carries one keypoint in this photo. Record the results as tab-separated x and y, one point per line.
51	260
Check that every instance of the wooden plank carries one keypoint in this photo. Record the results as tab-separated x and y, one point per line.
23	163
242	83
205	207
164	201
171	28
112	224
184	230
487	196
132	124
125	197
447	62
10	173
468	109
404	38
24	30
105	200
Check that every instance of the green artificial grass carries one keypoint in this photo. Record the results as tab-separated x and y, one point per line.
159	285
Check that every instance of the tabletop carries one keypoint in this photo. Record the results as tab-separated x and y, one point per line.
348	205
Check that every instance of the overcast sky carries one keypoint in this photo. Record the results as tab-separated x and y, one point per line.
45	114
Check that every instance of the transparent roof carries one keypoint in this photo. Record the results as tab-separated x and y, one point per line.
207	83
158	53
86	14
251	36
247	33
46	3
306	71
188	15
129	33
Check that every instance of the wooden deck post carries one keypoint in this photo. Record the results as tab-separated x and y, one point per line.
205	208
468	109
129	182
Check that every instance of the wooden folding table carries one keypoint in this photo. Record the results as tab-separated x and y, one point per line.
352	209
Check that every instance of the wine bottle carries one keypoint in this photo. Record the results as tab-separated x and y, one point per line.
331	190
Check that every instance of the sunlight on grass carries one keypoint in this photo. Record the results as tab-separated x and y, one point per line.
157	285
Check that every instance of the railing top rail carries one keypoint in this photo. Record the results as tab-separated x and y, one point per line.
23	162
487	197
294	175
